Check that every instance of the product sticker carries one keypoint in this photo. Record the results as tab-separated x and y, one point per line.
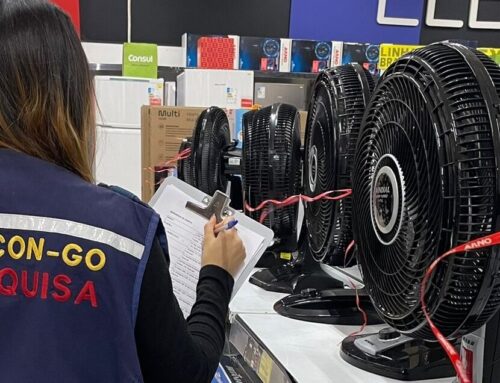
265	367
154	94
231	95
246	103
261	92
286	256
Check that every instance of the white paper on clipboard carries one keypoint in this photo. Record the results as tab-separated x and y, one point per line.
184	230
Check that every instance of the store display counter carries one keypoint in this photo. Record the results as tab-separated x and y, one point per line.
283	350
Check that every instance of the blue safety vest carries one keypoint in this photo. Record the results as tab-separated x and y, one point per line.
72	258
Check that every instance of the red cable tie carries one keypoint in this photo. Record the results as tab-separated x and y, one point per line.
453	355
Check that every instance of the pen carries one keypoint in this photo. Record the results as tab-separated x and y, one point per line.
227	226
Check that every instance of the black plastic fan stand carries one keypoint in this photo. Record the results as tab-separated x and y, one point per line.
391	354
295	276
332	306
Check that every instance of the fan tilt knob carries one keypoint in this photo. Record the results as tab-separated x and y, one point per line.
388	333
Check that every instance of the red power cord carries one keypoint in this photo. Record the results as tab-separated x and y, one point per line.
348	250
360	309
184	154
294	199
453	355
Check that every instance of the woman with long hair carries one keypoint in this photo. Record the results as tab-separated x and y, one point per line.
85	291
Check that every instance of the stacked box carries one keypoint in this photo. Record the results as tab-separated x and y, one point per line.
364	54
210	52
259	53
309	56
229	89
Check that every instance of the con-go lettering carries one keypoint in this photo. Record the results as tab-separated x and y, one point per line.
432	21
35	249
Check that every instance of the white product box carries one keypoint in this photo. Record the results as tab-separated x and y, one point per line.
231	89
286	55
170	98
118	120
119	99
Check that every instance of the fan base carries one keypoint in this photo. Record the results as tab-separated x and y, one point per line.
336	306
402	358
293	277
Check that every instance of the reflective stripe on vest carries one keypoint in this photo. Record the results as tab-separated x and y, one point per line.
74	229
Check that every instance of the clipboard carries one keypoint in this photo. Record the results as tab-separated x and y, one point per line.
181	208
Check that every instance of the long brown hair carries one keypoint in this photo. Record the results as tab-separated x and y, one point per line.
46	91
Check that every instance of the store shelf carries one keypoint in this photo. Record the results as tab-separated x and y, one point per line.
168	72
307	352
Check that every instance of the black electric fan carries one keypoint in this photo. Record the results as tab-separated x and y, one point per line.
271	169
214	162
271	152
426	179
340	97
210	136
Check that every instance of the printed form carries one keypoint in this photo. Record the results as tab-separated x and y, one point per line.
185	240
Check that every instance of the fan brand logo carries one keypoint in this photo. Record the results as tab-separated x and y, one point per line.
478	244
140	59
383	190
285	54
432	21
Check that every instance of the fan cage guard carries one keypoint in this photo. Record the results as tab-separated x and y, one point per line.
434	111
210	136
340	96
272	166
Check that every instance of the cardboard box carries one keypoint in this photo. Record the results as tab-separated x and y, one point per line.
260	53
305	55
163	129
211	52
223	88
364	54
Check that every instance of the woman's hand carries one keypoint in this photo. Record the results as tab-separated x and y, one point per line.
225	249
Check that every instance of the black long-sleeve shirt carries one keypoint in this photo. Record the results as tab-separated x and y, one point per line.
170	348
